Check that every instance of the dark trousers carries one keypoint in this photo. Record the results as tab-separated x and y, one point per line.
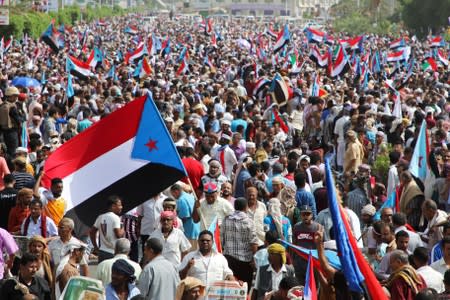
242	270
103	255
134	251
11	139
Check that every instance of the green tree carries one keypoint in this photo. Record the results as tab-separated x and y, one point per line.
423	15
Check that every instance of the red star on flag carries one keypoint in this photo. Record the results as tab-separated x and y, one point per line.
151	144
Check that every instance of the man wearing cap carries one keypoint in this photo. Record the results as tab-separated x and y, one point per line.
268	277
225	155
250	150
214	174
74	251
11	119
122	282
303	236
212	208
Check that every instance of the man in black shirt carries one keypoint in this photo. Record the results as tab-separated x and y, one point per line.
26	283
7	199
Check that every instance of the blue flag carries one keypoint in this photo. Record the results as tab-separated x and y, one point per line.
70	92
390	202
153	141
345	251
419	165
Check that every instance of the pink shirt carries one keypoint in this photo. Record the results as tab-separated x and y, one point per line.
4	170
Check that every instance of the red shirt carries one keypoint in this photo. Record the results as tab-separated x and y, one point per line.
195	171
401	291
16	216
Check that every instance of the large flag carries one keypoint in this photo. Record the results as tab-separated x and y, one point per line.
442	56
310	292
52	38
419	161
78	68
129	153
282	39
355	268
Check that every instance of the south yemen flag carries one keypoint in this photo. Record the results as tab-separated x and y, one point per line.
129	153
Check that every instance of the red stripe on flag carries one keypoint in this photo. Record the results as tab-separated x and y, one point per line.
217	237
373	285
283	125
86	147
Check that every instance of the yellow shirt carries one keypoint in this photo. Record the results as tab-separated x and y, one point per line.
55	209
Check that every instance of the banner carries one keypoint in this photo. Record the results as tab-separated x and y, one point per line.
83	288
4	16
229	290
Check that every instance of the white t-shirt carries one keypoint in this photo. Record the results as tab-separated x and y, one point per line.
174	245
106	223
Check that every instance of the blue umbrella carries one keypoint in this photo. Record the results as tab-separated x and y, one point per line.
25	82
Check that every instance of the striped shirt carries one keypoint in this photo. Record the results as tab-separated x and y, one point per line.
23	179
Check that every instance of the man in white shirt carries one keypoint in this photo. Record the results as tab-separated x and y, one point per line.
109	229
122	249
399	221
435	217
206	263
34	223
443	264
148	214
175	243
393	180
55	246
212	208
340	132
225	155
432	278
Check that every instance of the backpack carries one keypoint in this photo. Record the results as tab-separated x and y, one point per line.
5	119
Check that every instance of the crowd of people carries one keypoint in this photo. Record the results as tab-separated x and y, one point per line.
252	125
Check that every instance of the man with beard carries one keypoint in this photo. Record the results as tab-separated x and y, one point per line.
225	192
54	203
214	174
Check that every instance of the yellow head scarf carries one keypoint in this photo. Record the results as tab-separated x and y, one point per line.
276	248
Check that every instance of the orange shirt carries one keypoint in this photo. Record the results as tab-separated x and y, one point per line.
55	209
16	216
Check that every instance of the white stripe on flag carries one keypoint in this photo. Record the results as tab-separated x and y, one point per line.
100	173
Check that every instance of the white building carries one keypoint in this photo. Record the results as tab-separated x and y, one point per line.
292	8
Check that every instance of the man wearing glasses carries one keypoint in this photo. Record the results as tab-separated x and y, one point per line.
206	263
